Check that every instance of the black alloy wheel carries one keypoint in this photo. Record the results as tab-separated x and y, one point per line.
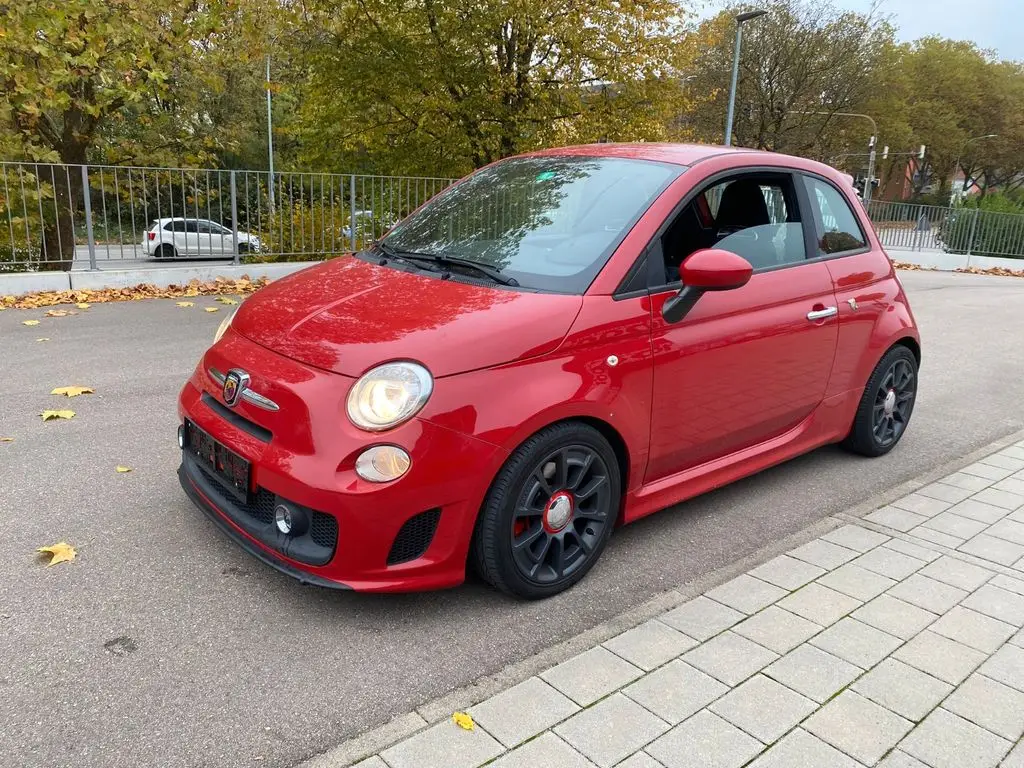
886	405
549	512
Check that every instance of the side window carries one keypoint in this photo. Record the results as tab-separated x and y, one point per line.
175	226
191	226
837	223
203	227
755	216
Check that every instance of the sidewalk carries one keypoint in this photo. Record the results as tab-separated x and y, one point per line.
895	641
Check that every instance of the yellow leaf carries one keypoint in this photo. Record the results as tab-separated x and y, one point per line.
463	720
186	303
72	391
123	469
59	553
213	309
225	300
82	305
6	439
43	339
57	313
30	322
50	415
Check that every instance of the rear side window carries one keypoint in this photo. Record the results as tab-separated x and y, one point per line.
838	228
175	226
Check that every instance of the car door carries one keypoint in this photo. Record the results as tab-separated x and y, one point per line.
215	237
205	239
746	365
860	277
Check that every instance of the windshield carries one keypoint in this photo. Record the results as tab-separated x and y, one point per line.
549	222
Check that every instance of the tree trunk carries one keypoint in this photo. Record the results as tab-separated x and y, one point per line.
57	249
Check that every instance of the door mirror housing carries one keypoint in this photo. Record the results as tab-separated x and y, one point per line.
710	269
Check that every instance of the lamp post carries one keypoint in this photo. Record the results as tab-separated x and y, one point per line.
961	154
740	18
270	140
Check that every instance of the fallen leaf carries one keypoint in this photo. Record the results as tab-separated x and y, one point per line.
82	305
219	287
213	309
463	720
73	391
59	553
50	415
186	303
58	313
6	439
43	339
30	322
123	469
225	300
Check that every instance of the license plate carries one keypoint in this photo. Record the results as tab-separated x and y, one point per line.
230	469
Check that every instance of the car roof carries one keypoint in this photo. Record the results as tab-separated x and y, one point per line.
678	154
182	218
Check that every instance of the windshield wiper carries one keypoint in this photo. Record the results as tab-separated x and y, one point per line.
436	258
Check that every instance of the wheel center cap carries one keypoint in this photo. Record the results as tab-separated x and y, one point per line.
558	512
890	402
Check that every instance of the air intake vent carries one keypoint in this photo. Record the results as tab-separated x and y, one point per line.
414	537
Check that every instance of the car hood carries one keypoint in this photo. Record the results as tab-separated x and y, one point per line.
347	315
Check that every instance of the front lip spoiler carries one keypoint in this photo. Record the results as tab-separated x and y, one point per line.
192	491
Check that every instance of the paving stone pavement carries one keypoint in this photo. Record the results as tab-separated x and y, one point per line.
896	641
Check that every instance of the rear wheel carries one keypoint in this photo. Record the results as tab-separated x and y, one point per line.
165	251
886	405
549	513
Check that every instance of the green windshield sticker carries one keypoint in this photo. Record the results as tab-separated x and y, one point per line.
545	176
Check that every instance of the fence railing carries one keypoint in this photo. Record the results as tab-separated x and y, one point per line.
93	217
955	230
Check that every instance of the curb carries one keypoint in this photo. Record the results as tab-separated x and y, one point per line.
162	277
403	726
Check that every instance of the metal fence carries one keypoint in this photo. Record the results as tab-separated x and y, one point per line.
94	217
954	230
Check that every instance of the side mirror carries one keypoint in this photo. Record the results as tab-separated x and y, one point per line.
707	270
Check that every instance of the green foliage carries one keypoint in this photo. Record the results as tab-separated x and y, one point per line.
992	226
432	87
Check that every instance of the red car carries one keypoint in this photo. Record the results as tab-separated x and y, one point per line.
560	343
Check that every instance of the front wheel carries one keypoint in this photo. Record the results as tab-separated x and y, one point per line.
886	405
549	513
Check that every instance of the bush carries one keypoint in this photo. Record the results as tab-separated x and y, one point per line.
993	226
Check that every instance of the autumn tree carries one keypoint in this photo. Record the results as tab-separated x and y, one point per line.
801	57
426	86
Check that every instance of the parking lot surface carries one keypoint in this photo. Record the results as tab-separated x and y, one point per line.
165	644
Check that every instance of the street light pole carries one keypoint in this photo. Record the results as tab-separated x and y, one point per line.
960	154
270	140
740	18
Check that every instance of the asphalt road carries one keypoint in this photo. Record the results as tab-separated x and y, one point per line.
165	645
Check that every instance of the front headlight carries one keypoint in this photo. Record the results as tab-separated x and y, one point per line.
225	324
388	395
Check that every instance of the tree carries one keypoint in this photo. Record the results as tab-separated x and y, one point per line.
426	86
116	81
801	57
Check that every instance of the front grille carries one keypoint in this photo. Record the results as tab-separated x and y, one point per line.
315	547
323	529
414	537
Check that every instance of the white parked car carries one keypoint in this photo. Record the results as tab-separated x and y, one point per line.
189	238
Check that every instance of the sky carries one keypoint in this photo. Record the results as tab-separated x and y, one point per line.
992	24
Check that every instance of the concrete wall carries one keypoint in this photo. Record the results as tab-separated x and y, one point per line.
18	283
935	259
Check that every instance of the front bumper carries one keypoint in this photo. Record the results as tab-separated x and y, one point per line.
305	453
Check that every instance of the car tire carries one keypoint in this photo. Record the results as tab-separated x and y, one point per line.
549	512
165	251
886	406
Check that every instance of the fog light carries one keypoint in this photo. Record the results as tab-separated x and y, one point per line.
382	463
181	436
290	522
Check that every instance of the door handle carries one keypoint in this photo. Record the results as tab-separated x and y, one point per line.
821	314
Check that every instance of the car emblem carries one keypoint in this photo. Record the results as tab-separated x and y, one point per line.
234	385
